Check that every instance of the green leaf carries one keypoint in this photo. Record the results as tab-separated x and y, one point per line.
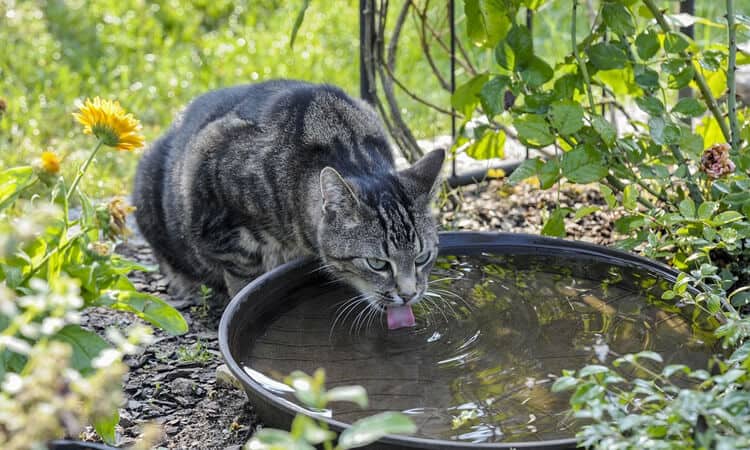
352	394
584	164
605	129
533	130
727	217
675	42
504	56
618	18
646	77
307	429
105	427
298	21
647	44
566	117
13	182
492	95
592	369
649	355
585	211
519	39
86	345
630	197
466	97
565	86
608	195
689	107
678	80
651	105
487	22
527	169
687	208
490	145
707	209
148	307
273	439
549	173
537	72
663	132
564	384
555	224
370	429
605	56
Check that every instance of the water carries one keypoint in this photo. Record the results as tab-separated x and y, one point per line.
488	343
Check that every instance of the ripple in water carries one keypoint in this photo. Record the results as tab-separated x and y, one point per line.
490	338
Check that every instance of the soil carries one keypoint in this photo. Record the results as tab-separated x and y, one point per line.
173	382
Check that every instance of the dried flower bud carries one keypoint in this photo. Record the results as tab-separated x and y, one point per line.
3	106
715	161
100	248
118	213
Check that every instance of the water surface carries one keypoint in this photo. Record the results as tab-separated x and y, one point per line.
489	341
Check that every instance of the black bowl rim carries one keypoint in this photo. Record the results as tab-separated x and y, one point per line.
451	240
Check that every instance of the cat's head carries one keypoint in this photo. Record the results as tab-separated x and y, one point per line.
379	233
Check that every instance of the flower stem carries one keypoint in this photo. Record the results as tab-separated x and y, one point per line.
82	170
581	64
705	91
731	83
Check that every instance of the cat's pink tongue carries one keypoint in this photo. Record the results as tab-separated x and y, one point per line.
400	317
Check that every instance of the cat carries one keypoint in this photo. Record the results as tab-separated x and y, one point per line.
252	176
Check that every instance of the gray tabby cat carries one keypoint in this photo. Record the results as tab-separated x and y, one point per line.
253	176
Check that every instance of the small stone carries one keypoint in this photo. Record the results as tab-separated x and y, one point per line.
183	386
225	378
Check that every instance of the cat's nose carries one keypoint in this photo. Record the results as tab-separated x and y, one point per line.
407	296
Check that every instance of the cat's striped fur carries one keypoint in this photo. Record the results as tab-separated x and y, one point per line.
253	176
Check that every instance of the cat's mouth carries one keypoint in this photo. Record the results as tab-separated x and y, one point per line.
399	314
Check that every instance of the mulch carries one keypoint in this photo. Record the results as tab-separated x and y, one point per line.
173	383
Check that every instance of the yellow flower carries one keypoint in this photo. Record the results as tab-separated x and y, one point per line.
106	120
50	162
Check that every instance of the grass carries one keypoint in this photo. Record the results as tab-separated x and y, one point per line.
155	56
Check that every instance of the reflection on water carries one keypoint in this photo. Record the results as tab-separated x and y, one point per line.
489	341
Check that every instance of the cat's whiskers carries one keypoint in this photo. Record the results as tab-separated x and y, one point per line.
435	305
346	308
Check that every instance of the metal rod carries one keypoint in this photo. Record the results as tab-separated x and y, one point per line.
452	25
366	27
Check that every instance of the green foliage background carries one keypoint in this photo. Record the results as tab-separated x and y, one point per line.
154	56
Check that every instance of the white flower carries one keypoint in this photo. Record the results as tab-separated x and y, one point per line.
13	383
52	325
30	330
106	358
15	344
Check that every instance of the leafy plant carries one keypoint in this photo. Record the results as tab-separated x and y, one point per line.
54	262
307	433
684	189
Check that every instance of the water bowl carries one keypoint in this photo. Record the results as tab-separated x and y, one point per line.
505	315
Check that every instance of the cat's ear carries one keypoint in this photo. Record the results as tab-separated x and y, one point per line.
337	194
423	177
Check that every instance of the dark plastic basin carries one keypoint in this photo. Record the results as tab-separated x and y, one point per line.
250	312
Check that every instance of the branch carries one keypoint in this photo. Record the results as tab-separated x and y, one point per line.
705	91
426	48
731	82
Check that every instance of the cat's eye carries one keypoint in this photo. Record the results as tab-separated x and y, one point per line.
377	264
422	259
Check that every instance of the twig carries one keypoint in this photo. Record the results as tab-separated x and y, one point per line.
705	91
731	82
426	48
414	96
